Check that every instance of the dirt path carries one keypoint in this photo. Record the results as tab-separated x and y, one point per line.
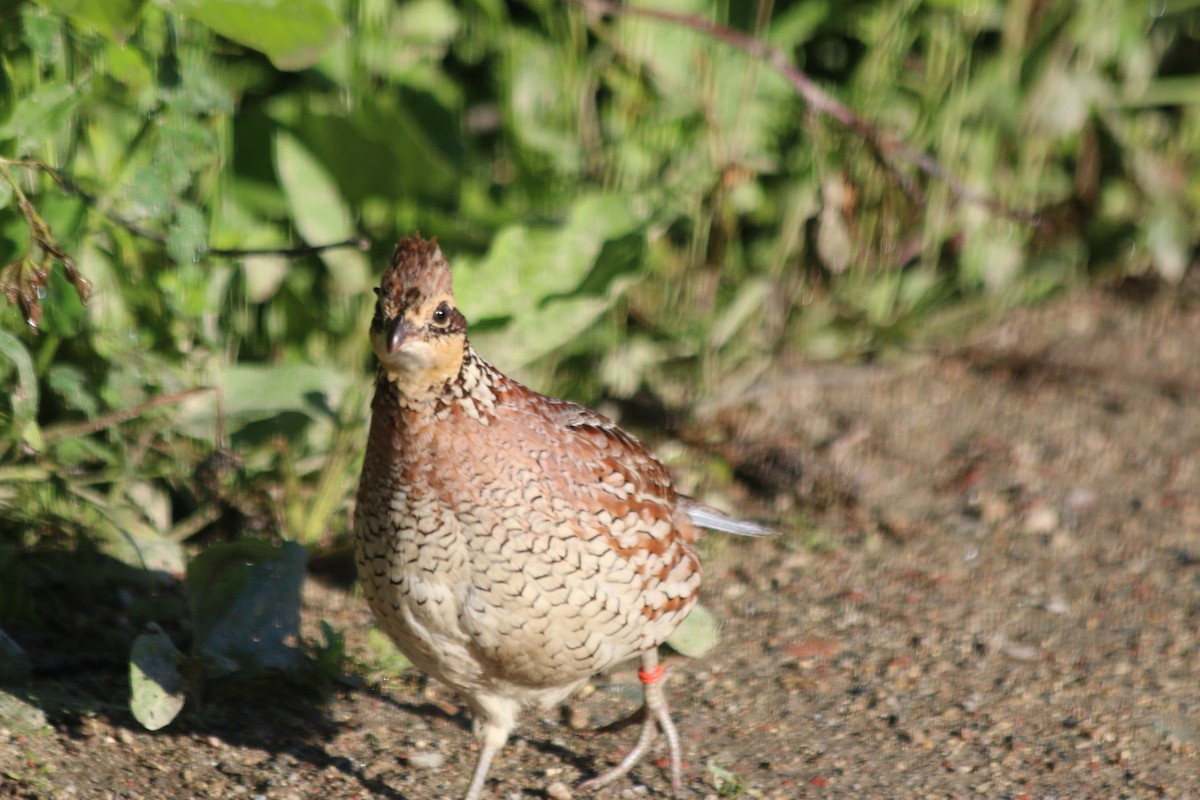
996	593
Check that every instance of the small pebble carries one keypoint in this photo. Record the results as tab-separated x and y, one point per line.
1040	519
1057	606
429	760
577	718
1081	497
1020	652
558	791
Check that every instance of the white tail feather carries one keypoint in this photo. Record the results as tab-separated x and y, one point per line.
711	518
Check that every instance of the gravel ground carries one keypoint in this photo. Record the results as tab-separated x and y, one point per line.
993	593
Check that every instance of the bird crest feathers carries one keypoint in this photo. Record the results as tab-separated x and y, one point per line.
417	271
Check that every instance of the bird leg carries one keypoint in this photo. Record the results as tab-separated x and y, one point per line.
657	716
491	738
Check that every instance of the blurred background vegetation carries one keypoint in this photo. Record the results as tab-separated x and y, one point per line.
634	209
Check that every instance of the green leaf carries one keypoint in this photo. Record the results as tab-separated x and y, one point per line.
292	33
24	398
309	389
696	635
140	545
245	602
748	304
72	387
320	213
388	659
524	340
41	115
113	19
156	684
727	784
188	237
551	279
526	266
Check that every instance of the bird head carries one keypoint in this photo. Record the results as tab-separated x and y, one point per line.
418	334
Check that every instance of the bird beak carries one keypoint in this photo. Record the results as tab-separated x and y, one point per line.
396	336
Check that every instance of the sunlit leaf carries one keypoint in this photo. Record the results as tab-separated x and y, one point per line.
114	19
388	659
156	683
320	213
696	635
186	241
292	33
40	115
526	266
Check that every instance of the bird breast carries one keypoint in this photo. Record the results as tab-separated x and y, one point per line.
492	571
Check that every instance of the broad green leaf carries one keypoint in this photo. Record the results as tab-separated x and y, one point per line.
532	335
696	635
293	387
71	385
130	67
551	284
144	547
388	658
114	19
292	33
186	241
540	110
526	266
156	685
250	393
245	601
320	213
40	115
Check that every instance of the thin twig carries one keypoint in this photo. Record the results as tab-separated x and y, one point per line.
70	187
359	243
74	429
887	148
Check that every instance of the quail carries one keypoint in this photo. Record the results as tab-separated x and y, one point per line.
512	545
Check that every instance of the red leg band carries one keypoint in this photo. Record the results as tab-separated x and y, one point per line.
653	676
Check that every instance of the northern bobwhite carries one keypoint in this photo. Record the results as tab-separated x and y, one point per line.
512	545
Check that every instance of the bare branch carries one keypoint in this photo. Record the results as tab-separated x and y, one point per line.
888	149
70	187
359	243
74	429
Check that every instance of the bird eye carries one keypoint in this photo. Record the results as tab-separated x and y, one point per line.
442	315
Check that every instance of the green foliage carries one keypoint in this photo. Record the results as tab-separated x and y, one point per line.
727	783
156	684
696	635
630	204
386	660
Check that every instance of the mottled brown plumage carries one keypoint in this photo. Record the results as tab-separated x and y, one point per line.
511	544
